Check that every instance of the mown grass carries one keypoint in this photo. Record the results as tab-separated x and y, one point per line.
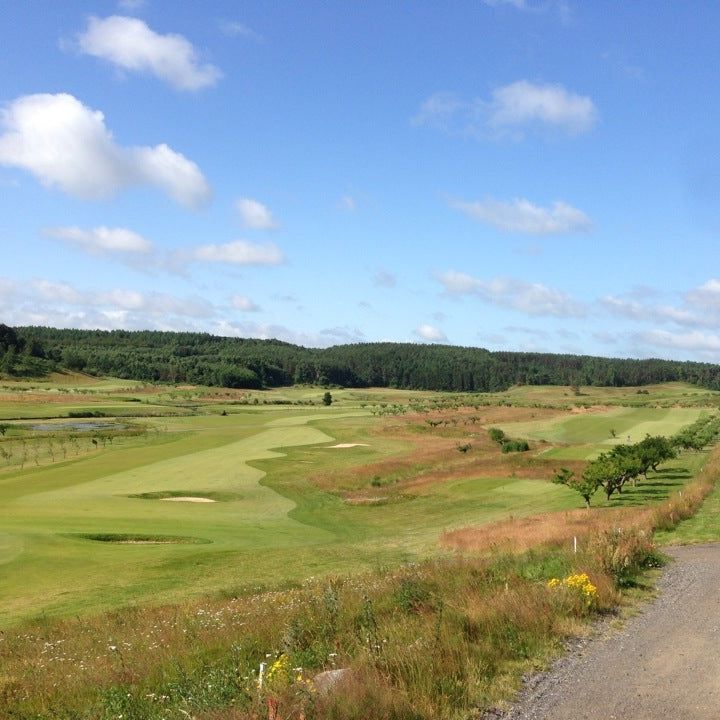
440	639
291	505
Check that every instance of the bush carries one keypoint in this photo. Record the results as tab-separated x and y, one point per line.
496	435
515	446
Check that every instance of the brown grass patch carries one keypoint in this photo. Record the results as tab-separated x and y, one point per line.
556	528
433	455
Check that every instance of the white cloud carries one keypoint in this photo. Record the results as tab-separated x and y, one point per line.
120	300
255	215
341	335
529	298
239	252
233	28
441	111
130	44
700	307
521	216
692	341
430	333
66	144
705	296
244	303
512	108
103	240
523	102
635	310
131	5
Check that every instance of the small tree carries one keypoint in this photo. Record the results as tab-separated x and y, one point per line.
586	486
327	398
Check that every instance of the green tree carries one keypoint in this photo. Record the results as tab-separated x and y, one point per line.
585	485
327	398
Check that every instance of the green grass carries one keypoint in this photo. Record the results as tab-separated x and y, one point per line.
703	527
271	524
584	436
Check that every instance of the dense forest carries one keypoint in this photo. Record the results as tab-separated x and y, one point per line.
200	358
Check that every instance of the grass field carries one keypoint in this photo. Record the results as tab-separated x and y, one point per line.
274	501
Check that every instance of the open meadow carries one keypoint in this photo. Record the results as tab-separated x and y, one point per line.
118	493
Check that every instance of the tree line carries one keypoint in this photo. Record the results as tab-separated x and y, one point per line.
200	358
612	470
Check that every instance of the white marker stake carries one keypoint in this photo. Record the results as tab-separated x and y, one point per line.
575	544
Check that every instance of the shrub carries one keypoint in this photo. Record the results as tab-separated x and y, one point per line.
496	435
514	446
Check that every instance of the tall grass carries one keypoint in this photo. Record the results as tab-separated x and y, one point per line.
441	639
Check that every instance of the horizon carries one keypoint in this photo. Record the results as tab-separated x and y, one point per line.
509	175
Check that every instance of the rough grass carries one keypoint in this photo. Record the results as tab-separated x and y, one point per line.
292	506
440	639
437	638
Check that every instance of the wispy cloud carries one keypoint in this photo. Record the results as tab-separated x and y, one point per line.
255	215
132	5
103	240
384	279
518	4
244	304
522	216
695	341
238	252
528	298
129	44
511	110
66	144
699	308
347	203
232	28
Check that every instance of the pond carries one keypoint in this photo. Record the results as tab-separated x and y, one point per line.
78	426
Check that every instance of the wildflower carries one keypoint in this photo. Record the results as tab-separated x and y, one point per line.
580	584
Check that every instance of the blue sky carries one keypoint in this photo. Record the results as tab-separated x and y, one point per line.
511	174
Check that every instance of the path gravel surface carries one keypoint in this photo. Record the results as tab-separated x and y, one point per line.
663	664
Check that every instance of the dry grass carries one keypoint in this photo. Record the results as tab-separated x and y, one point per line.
557	528
434	458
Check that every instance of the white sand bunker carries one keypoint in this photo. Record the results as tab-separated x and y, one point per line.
349	445
189	498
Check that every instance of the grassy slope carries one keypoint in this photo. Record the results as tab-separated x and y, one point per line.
280	527
590	433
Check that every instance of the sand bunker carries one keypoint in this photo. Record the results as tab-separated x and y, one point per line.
349	445
188	499
134	539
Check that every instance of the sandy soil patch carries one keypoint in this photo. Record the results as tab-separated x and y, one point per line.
188	498
349	445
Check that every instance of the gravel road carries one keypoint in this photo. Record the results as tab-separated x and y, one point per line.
664	664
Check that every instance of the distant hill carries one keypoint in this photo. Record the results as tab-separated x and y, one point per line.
200	358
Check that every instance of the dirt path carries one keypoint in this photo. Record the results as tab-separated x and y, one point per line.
663	664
